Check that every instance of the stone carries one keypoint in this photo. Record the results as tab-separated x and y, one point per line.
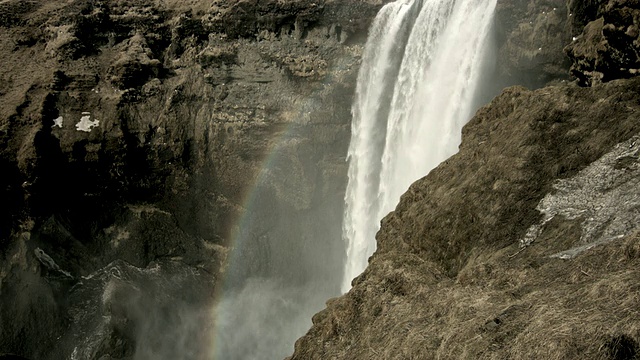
171	110
608	47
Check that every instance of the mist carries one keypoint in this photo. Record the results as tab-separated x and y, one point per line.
160	312
263	319
287	257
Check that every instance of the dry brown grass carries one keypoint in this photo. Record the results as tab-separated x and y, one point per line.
500	307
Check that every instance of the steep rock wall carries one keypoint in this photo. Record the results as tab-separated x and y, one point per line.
132	134
531	36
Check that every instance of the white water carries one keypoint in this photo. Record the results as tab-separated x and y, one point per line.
421	71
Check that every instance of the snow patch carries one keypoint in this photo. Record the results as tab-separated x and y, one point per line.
86	124
57	122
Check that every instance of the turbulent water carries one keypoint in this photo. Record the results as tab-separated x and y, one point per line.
421	72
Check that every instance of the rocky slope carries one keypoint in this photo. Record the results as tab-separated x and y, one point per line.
525	244
452	277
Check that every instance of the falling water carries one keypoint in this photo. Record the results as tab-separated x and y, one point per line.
420	74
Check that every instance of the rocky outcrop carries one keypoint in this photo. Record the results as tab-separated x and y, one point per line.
609	46
454	275
530	39
598	37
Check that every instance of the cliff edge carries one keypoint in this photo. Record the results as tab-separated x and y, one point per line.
525	244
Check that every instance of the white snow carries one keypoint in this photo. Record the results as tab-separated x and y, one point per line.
86	124
57	122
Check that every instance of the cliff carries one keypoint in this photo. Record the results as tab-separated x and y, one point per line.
135	133
132	137
525	244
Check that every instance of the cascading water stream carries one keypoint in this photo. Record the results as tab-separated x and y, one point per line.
421	71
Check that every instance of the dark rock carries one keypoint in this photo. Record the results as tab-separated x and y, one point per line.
530	39
583	12
11	357
136	131
13	12
608	47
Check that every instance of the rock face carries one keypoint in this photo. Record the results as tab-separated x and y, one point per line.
599	36
608	47
135	133
531	36
132	135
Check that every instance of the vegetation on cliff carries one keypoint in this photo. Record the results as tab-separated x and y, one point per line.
521	246
451	277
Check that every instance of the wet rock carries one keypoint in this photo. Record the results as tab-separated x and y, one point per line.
137	131
530	39
122	312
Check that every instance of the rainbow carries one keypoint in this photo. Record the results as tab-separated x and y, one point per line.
297	117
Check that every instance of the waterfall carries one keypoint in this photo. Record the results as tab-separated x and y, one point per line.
421	71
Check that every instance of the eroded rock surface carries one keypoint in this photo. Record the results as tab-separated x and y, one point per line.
531	36
136	132
609	46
